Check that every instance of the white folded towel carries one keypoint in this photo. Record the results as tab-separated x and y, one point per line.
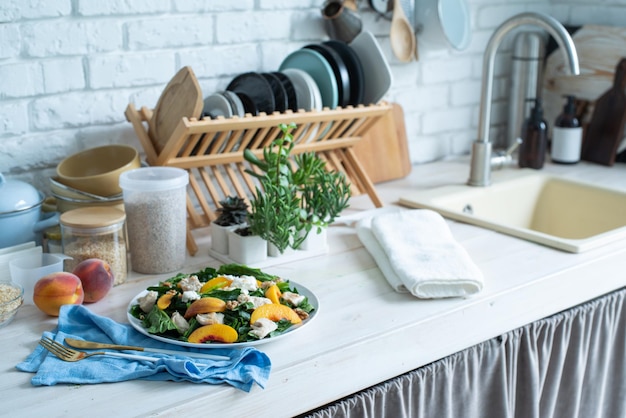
416	252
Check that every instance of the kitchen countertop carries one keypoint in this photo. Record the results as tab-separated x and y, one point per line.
364	333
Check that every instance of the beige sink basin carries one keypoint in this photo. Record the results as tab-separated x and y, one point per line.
564	214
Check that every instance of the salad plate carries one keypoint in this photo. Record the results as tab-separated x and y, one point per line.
136	323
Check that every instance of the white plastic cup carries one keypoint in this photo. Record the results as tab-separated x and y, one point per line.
156	217
26	271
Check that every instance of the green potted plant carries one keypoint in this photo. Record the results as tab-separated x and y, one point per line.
232	213
293	198
323	196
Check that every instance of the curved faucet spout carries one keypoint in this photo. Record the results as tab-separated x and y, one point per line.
480	170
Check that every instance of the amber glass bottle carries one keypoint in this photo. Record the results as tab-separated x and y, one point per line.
532	151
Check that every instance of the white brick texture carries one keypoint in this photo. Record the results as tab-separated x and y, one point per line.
69	68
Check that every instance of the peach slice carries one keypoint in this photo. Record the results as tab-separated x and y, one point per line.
205	305
273	293
214	332
275	312
215	283
165	301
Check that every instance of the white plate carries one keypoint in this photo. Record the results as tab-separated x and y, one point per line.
217	105
235	103
377	73
136	323
444	23
305	86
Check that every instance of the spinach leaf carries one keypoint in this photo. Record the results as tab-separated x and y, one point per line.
241	270
157	321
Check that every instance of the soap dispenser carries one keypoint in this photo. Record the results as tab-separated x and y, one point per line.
567	135
532	151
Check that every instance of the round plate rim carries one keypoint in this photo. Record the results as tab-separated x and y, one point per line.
303	290
303	58
302	75
340	70
353	62
220	102
236	83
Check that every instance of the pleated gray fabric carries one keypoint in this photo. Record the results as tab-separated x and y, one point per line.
569	365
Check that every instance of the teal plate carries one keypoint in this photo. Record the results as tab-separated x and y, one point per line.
319	69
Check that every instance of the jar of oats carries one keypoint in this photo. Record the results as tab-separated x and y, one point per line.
95	232
156	211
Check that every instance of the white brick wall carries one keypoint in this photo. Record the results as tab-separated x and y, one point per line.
68	68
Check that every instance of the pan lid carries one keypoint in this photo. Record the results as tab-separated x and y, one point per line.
17	195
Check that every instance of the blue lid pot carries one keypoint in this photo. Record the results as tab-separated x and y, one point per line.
21	218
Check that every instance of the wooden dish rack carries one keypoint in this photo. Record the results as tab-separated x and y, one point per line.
212	151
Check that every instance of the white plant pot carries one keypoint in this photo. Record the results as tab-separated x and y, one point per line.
315	241
246	250
219	236
273	251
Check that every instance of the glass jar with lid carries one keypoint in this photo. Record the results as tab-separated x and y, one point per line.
95	232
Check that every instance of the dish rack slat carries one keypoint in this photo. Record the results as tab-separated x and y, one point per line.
211	150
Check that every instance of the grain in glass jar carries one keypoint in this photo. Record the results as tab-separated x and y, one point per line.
95	232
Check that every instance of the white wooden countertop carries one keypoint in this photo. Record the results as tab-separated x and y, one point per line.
364	333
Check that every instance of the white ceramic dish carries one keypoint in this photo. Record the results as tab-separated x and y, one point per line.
378	77
235	103
217	105
301	289
307	92
444	23
319	69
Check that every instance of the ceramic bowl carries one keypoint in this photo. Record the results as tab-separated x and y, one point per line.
97	170
11	298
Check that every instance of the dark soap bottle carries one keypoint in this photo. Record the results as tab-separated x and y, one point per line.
532	151
567	135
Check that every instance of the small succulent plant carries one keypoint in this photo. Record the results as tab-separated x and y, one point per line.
233	211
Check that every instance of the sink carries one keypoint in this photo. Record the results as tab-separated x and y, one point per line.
565	214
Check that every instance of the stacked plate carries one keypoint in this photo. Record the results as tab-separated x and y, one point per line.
322	75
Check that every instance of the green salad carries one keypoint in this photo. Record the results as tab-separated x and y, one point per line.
231	304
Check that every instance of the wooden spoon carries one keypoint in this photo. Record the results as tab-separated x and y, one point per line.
401	36
351	4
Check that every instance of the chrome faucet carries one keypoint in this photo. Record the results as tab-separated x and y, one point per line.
481	163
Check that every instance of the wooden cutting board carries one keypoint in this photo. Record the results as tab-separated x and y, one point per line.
182	97
606	128
383	151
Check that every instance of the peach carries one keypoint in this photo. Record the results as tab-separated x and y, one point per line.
96	277
57	289
215	332
215	283
165	301
275	312
273	293
205	305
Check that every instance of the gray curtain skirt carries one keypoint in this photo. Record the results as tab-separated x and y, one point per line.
569	365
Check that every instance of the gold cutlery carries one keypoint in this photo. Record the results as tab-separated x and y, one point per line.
90	345
68	354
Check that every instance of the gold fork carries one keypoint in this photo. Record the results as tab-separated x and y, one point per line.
68	354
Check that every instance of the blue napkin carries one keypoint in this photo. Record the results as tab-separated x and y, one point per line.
245	367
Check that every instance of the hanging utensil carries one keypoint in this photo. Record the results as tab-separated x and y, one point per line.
402	36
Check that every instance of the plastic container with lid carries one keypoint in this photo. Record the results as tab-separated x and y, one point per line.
155	205
95	232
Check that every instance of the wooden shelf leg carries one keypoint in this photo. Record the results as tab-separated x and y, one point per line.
363	177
